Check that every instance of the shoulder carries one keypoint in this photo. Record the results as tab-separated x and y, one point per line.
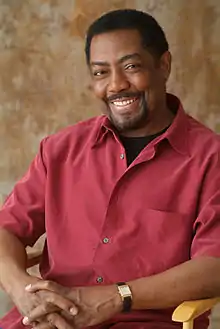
73	137
202	140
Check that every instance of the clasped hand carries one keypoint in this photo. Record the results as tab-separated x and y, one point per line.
72	308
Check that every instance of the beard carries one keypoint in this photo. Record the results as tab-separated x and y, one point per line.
131	120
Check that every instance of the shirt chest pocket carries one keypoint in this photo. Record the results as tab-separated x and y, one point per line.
155	240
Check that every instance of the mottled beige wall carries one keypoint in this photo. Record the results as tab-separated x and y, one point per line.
44	82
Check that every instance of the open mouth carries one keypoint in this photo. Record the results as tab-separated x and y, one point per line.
125	104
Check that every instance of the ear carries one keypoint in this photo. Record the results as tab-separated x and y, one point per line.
165	65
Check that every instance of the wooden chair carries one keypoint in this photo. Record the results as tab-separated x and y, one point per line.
188	311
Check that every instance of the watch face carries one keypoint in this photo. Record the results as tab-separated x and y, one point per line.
126	295
125	290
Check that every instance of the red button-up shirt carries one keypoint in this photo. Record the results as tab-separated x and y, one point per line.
106	222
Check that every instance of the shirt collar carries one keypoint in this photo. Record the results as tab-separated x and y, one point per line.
105	126
176	134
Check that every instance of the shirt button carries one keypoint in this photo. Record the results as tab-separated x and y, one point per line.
122	156
99	279
105	240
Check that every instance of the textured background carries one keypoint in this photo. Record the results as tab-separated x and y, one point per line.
44	82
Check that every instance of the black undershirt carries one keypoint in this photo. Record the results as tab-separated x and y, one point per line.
134	145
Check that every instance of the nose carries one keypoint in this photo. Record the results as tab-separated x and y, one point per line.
118	82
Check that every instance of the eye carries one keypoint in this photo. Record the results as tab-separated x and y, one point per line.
99	73
132	66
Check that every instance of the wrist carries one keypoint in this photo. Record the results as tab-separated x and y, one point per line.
114	299
14	281
125	294
118	300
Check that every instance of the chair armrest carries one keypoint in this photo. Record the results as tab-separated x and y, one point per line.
190	310
33	257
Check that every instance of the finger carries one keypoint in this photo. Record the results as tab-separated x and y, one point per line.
62	303
39	312
53	303
44	325
57	321
45	285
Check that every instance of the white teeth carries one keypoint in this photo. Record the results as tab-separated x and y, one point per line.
124	103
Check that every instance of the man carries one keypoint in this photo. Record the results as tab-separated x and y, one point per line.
131	196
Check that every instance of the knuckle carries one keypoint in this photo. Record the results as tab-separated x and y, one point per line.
65	305
47	307
42	325
47	283
54	297
50	298
28	315
52	317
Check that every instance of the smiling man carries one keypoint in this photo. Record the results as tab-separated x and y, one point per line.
130	80
129	200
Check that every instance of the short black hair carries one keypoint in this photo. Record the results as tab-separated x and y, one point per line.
152	34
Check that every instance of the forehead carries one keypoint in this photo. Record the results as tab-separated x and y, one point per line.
111	46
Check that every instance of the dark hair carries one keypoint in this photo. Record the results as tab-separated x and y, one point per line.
152	34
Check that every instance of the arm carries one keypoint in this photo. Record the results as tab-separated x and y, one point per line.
13	261
22	222
188	281
100	303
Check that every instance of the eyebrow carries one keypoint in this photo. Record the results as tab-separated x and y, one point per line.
120	61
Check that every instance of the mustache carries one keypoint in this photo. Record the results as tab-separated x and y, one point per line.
124	95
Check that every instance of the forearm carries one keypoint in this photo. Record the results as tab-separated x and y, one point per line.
13	260
192	280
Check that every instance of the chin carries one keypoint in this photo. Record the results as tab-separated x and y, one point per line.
129	124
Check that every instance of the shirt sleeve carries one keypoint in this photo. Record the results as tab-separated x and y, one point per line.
206	241
23	213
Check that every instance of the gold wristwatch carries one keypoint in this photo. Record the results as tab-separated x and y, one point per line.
126	296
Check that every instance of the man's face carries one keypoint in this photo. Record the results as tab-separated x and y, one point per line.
129	80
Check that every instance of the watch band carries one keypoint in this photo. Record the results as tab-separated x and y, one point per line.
126	296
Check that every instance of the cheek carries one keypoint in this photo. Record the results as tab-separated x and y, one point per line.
141	82
99	89
148	84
